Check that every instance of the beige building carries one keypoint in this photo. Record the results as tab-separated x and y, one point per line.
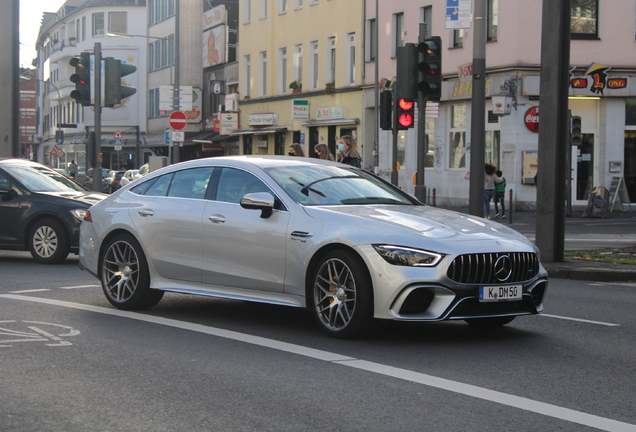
301	74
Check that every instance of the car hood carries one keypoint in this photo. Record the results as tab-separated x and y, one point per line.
424	226
90	198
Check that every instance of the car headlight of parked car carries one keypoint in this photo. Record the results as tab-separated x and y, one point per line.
78	214
404	256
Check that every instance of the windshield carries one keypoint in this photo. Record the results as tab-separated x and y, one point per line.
333	185
41	179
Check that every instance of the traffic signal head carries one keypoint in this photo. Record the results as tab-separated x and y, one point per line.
406	73
429	68
82	78
114	91
405	114
575	133
386	110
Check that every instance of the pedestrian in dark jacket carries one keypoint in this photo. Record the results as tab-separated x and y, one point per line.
348	151
500	196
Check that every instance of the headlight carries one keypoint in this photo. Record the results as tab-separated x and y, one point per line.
78	214
403	256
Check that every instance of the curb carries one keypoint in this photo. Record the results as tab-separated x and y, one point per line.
592	274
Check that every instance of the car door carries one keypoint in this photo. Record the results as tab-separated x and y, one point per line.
168	221
241	249
10	212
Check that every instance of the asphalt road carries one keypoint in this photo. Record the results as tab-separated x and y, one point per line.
71	362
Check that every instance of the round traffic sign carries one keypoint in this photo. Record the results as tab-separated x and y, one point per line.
178	120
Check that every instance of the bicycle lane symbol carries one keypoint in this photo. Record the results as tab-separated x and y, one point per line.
35	333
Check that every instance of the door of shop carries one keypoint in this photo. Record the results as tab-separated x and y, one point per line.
582	169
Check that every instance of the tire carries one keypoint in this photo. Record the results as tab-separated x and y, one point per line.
342	296
125	276
490	322
49	241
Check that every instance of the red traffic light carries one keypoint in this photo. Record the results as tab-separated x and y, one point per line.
405	120
405	114
405	105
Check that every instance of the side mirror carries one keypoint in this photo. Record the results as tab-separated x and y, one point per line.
6	191
263	201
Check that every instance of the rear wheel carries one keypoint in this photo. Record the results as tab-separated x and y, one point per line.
490	322
125	275
49	242
342	295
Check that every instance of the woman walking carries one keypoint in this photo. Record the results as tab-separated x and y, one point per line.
348	151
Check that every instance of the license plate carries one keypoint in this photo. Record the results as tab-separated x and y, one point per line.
500	293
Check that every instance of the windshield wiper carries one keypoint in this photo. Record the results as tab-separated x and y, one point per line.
307	188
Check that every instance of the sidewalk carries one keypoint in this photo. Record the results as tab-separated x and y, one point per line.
614	232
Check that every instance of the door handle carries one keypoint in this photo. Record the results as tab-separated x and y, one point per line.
146	212
217	218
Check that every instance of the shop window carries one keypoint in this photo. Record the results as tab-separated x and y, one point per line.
457	139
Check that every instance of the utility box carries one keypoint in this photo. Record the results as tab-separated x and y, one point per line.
156	162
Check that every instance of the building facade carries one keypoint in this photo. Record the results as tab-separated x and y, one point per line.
301	74
66	127
602	93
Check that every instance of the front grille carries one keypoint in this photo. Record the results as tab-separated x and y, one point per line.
480	268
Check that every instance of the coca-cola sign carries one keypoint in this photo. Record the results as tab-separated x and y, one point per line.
532	119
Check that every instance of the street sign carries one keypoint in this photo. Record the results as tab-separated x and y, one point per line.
167	136
178	136
178	120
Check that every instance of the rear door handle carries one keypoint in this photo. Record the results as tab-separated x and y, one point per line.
146	212
217	218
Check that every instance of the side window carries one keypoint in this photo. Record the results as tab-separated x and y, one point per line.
4	181
234	184
160	187
190	183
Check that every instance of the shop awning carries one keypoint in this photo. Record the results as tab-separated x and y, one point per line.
207	137
331	122
262	131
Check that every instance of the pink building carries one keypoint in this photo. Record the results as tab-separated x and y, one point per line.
602	93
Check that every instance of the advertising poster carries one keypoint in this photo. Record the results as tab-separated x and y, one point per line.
214	46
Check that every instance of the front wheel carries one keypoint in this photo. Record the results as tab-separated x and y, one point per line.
490	322
125	276
342	295
49	242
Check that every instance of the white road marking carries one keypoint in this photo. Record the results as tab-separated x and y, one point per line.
526	404
80	286
30	291
581	320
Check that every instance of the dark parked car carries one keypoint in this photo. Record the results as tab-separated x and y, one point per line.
88	181
112	181
41	210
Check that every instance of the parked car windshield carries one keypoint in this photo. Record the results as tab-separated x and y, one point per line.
41	179
333	185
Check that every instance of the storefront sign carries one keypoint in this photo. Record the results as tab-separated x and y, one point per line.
261	144
214	17
269	119
229	123
300	109
531	119
330	113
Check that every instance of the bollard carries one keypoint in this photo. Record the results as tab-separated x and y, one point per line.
434	197
510	208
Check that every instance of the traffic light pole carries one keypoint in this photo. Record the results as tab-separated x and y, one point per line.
97	169
478	116
394	151
420	188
